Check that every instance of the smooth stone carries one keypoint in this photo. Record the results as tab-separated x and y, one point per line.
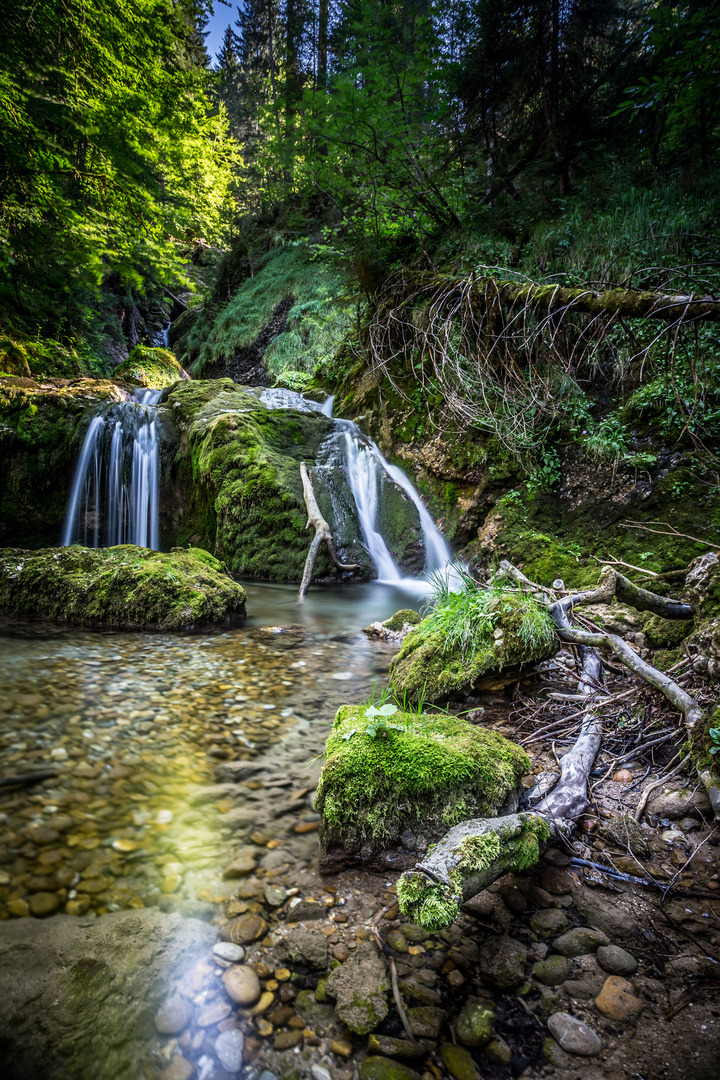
244	930
618	1001
275	895
43	903
425	1021
19	908
242	986
616	961
580	941
229	1049
556	881
173	1015
475	1024
389	1046
382	1068
549	922
214	1013
178	1069
318	1072
499	1051
459	1063
286	1040
583	989
226	950
311	1010
241	866
553	971
309	911
397	941
573	1035
502	962
604	913
414	933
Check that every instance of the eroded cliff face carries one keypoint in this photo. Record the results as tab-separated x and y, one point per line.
556	523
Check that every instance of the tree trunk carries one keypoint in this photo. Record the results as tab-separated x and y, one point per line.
322	533
632	304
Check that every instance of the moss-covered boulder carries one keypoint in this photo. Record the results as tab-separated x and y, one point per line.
430	668
42	424
124	586
382	799
153	368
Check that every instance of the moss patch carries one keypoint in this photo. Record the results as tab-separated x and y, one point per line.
666	633
50	359
436	771
153	368
429	666
435	906
124	586
400	618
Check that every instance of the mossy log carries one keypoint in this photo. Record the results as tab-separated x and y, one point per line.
629	303
476	852
322	534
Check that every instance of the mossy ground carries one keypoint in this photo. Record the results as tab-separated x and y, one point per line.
50	359
436	771
125	586
432	667
153	368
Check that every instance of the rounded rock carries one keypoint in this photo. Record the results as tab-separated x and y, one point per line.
242	985
574	1036
616	961
580	941
459	1063
617	1000
226	950
229	1049
173	1015
553	971
549	922
475	1024
43	903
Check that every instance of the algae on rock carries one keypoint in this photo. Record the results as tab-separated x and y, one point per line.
436	771
124	586
151	367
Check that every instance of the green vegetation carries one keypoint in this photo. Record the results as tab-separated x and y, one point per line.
434	770
125	586
470	635
153	368
400	618
42	359
436	906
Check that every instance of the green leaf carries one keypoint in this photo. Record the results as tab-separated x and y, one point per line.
371	731
387	710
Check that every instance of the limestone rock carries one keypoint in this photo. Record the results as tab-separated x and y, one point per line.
573	1035
302	946
679	803
702	585
360	989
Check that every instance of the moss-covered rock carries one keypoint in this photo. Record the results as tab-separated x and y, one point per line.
124	586
666	633
153	368
431	773
402	618
427	669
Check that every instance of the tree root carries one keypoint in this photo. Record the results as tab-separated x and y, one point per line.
322	533
476	852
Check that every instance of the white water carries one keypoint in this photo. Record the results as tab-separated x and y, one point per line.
365	465
115	490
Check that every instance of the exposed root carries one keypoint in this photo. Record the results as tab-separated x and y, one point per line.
322	533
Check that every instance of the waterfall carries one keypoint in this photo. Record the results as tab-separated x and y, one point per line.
115	490
364	465
166	336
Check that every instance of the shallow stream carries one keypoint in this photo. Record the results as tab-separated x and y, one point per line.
136	724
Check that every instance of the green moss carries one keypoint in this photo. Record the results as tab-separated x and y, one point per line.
435	906
121	586
666	633
50	359
437	771
398	620
701	742
153	368
440	659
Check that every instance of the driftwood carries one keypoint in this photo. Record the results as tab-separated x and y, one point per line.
322	533
475	853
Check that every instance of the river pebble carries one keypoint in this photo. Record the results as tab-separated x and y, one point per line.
573	1035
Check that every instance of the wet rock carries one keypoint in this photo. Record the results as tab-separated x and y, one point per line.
498	1050
583	989
701	584
244	930
311	1010
174	1015
680	803
301	946
573	1035
548	923
360	988
382	1068
397	941
459	1062
553	971
226	950
555	1055
618	1001
425	1021
308	910
229	1049
286	1040
604	913
474	1026
389	1047
339	1046
502	962
242	986
74	992
239	867
580	941
275	895
213	1013
556	881
616	961
414	933
178	1069
43	903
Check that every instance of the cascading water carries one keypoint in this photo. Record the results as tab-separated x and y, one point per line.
364	465
115	492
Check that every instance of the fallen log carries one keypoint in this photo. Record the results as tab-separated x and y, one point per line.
322	534
629	303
